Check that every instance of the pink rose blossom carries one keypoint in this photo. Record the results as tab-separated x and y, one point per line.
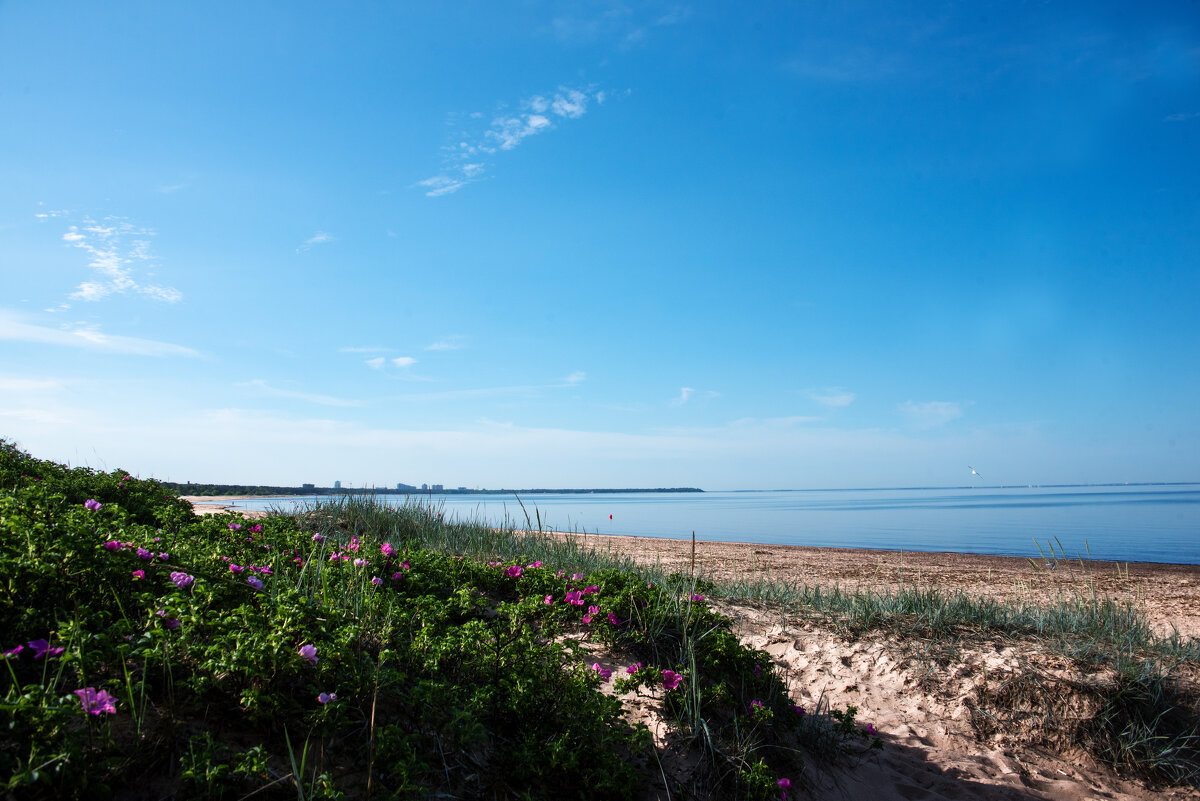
96	701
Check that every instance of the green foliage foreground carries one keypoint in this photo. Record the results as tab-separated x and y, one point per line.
151	653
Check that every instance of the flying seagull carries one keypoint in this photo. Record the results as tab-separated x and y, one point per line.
974	472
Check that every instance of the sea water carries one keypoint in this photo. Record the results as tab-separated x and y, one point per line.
1128	523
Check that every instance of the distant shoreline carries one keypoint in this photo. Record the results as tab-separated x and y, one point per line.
249	491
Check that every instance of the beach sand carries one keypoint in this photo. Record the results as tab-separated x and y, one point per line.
937	704
948	730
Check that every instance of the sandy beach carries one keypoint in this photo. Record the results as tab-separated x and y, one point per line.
936	704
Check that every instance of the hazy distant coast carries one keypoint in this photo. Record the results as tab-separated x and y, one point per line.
244	490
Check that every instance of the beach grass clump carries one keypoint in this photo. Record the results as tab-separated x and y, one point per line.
351	652
1133	701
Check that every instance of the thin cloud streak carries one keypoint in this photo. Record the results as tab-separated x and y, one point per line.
467	160
448	343
931	414
319	238
684	394
833	397
278	392
88	338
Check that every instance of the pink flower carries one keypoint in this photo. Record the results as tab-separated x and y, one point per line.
784	786
325	698
871	730
590	590
513	572
14	651
42	648
139	574
397	576
169	622
405	566
755	706
799	710
255	582
634	668
182	580
309	653
112	545
256	528
388	550
96	701
235	526
587	620
317	538
235	569
144	555
697	596
758	670
576	577
593	610
376	580
354	542
671	679
616	621
605	675
549	599
574	597
92	505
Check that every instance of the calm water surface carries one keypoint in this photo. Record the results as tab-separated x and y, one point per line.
1158	523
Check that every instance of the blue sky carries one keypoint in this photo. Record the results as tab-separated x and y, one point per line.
598	244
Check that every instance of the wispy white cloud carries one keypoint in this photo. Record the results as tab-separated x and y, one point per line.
376	363
575	378
931	414
14	384
833	397
324	400
684	394
1182	117
455	342
617	22
467	159
115	247
168	189
50	214
319	238
404	361
14	328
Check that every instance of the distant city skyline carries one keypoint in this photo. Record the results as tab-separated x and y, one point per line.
599	245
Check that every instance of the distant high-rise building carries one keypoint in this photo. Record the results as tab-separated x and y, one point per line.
424	486
308	486
437	488
402	487
337	485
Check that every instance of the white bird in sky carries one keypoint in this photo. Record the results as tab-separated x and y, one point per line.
974	472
